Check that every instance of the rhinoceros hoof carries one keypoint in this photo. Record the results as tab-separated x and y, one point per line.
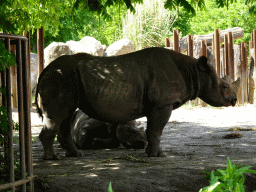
72	154
51	157
155	153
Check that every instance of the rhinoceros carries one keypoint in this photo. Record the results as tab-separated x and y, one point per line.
89	133
151	82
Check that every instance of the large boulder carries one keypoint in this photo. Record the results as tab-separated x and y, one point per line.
120	47
55	50
92	46
75	47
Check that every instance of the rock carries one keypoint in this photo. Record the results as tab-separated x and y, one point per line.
104	47
120	47
55	50
75	47
33	71
92	46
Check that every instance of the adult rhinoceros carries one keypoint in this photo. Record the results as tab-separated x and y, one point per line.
151	82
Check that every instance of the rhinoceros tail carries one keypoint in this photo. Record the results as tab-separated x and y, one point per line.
38	109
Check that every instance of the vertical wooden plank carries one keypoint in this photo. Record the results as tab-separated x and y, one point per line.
167	42
226	59
40	52
27	35
217	50
231	55
243	73
176	40
251	85
203	50
190	45
254	61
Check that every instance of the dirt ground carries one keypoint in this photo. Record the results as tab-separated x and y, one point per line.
193	141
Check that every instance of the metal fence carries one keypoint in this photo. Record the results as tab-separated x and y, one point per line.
20	45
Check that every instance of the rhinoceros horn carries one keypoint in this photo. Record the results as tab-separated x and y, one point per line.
235	84
227	78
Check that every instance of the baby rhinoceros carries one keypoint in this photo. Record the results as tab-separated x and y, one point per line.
151	82
89	133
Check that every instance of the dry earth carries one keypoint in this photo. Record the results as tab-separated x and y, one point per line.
193	141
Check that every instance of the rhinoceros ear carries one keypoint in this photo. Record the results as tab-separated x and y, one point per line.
202	64
227	78
237	84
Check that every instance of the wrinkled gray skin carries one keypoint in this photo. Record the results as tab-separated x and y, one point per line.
89	133
151	82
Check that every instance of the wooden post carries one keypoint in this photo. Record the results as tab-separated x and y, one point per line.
252	74
217	50
251	85
167	42
243	74
254	56
27	35
231	55
203	50
190	45
176	45
225	56
40	52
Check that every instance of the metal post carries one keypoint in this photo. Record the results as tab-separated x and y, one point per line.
9	117
21	113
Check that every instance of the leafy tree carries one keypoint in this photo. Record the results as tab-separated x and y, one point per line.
237	15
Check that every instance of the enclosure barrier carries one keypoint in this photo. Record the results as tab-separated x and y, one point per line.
20	45
223	58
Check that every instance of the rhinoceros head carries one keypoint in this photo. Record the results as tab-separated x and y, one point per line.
214	90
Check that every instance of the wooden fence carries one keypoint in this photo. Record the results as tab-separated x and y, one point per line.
228	59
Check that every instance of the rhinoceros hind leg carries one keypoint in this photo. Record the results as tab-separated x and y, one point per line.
156	122
65	138
47	138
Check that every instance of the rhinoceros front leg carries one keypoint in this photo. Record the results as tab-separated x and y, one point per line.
155	125
65	138
47	136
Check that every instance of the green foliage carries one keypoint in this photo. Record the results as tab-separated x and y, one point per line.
82	23
146	28
214	17
230	179
110	187
6	58
19	16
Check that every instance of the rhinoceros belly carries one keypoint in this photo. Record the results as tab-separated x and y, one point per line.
109	101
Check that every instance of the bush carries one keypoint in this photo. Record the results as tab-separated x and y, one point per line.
149	26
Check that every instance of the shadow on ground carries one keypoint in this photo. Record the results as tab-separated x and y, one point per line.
191	148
